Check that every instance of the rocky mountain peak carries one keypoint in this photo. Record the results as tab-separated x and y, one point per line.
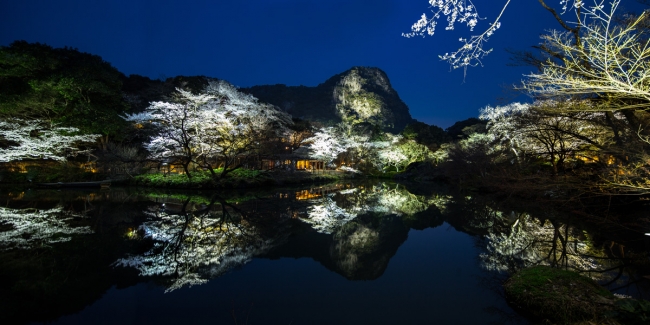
358	95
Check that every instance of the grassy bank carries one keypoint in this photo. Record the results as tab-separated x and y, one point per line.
554	296
241	178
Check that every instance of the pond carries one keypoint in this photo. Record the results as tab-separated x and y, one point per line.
345	253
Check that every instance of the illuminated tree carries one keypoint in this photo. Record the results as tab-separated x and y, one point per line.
473	50
326	145
607	66
220	127
391	156
37	139
239	125
607	61
174	140
538	130
501	123
414	151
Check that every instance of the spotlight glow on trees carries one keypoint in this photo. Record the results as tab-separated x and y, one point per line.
37	139
608	60
219	127
472	51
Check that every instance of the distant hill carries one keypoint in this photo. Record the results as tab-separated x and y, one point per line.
358	95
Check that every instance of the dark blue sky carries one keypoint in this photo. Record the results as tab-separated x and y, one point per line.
293	42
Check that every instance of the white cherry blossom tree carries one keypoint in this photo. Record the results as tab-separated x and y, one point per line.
538	130
326	145
38	139
219	127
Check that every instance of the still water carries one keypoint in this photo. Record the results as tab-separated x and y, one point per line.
346	253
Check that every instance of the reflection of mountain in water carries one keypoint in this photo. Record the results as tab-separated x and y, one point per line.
360	228
361	249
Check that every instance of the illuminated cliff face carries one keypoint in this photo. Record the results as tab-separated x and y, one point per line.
355	102
359	95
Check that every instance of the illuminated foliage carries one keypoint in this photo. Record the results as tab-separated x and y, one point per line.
220	127
37	139
473	50
609	61
61	85
326	145
535	130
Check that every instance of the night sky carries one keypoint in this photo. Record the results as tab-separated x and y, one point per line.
293	42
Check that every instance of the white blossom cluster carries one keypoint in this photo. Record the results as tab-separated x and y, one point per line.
462	11
37	139
220	121
473	50
575	4
501	123
326	145
34	227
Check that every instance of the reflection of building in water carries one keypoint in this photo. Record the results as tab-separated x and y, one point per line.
317	192
307	194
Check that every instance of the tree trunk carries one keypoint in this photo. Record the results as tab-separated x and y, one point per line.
187	170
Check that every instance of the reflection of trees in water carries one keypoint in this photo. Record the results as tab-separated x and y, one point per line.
331	212
544	234
530	241
196	242
28	228
513	241
325	216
